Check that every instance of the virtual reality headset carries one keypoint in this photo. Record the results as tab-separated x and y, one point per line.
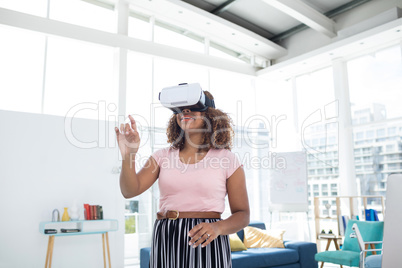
185	96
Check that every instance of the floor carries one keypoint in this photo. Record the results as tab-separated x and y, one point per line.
132	261
327	265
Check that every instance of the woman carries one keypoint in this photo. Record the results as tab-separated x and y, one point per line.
195	174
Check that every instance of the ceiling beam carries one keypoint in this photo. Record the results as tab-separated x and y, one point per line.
305	14
223	7
330	14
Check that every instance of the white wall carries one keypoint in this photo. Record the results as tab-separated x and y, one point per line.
40	170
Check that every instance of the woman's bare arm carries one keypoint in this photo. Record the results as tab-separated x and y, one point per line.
131	182
238	201
240	218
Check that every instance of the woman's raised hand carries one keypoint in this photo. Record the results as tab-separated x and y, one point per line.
128	138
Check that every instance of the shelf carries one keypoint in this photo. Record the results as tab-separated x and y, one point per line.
326	218
86	227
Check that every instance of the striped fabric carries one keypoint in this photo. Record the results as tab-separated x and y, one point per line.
170	247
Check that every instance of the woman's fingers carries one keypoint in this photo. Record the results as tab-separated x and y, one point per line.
127	129
133	123
208	240
202	233
127	137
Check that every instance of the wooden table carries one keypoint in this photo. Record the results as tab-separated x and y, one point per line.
329	240
86	227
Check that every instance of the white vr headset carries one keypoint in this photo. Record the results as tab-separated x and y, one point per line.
185	96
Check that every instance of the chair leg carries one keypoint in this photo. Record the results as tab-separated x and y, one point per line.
322	264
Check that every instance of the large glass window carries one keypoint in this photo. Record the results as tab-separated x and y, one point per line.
217	50
375	83
79	80
274	103
176	37
21	67
315	96
229	91
140	28
37	7
84	14
317	115
139	87
375	90
318	127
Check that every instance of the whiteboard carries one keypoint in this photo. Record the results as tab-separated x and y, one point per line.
288	182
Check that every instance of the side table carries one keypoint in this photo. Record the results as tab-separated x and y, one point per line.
85	227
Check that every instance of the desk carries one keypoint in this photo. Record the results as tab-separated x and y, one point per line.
86	227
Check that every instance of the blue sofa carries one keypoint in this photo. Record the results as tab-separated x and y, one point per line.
294	255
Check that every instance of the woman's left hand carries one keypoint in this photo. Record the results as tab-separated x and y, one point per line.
203	233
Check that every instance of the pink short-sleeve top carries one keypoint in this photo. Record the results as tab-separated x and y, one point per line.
194	187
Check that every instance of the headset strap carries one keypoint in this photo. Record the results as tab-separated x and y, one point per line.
209	102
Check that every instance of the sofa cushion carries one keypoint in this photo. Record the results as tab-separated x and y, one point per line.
258	238
235	243
256	224
342	257
373	261
264	257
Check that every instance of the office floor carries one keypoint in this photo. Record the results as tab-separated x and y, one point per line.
327	265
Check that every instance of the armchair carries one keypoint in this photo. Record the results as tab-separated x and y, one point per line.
372	261
350	253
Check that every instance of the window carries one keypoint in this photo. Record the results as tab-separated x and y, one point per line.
139	99
21	67
139	27
359	135
78	12
391	131
370	134
217	50
393	166
314	92
37	7
390	148
315	99
79	80
276	112
176	37
131	233
381	132
377	77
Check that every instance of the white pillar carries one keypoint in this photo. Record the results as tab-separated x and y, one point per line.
120	60
347	176
120	78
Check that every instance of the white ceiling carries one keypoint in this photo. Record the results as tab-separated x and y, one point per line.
262	17
271	32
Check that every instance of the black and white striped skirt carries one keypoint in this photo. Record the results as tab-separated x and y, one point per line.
170	248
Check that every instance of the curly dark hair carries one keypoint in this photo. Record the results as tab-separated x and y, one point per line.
219	123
